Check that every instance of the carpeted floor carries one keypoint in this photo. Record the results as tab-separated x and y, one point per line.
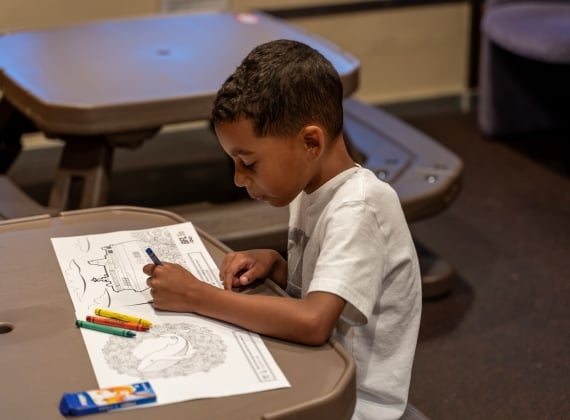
496	347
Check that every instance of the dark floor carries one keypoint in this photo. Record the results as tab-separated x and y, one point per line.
496	346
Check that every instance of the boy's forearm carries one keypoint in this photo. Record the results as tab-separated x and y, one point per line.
280	317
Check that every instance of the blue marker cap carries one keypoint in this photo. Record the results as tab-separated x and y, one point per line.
153	256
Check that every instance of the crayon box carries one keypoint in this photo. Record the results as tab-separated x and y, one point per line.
105	399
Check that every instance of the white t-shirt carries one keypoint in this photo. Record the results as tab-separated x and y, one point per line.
350	238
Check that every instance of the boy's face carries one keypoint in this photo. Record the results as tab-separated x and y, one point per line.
272	169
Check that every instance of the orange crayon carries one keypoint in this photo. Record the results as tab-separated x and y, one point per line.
116	323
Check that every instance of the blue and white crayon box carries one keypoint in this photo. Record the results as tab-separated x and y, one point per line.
105	399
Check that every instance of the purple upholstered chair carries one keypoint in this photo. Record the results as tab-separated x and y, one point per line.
525	68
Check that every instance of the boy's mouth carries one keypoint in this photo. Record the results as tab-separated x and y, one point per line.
256	197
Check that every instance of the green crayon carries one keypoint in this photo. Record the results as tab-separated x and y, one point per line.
104	328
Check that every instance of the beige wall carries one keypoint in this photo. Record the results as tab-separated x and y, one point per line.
39	14
406	53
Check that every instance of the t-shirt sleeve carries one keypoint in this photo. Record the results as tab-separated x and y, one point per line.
351	260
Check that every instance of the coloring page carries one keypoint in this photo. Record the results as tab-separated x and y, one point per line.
184	356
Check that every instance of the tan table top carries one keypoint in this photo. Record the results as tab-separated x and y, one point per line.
44	356
136	74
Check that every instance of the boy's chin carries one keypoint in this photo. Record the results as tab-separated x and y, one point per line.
275	202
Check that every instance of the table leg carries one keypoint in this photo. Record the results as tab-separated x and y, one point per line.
82	178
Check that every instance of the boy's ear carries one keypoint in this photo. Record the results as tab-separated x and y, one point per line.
314	139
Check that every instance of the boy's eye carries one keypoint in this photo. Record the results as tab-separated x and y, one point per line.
249	165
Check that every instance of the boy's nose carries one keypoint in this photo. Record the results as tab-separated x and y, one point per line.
240	179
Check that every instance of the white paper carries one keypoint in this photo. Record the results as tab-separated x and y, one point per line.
184	356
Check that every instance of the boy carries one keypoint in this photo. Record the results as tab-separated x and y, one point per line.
351	260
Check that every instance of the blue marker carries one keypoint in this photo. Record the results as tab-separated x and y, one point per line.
153	256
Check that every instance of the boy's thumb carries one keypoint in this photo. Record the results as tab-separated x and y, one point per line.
244	279
247	277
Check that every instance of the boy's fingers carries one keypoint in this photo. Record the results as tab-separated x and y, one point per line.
228	282
148	269
235	279
248	276
244	280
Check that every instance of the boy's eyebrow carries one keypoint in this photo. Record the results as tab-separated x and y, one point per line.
238	152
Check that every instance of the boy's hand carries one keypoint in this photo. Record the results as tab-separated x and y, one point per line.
173	288
245	267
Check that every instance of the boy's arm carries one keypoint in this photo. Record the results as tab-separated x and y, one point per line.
306	321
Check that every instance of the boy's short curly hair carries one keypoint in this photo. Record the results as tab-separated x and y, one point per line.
281	86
